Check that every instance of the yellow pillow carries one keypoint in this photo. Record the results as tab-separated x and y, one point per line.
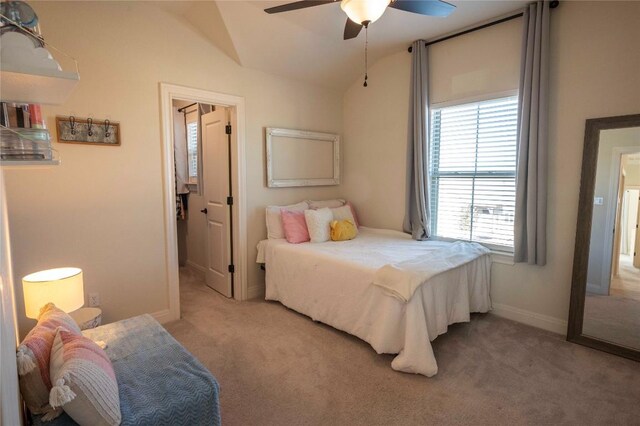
343	230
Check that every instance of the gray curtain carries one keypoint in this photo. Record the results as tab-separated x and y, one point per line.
530	227
416	219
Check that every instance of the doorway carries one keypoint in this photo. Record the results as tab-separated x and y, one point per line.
625	277
204	200
204	188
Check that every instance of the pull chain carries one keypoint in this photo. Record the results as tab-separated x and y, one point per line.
366	45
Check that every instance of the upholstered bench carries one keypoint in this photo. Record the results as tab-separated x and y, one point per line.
159	381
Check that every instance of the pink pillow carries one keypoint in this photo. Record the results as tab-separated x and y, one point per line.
33	357
295	226
85	384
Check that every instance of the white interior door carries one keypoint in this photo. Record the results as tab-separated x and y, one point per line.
636	246
215	165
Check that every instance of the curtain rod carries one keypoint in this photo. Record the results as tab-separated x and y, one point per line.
553	4
188	106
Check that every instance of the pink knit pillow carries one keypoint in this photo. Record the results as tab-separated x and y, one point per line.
353	212
85	384
33	357
295	226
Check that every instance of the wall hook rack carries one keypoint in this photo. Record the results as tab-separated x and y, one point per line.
88	131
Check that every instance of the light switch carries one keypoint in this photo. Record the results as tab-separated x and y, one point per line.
598	201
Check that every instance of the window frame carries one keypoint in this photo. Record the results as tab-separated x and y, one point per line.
501	253
192	179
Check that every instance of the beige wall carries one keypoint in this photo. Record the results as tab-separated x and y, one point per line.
102	209
594	73
10	401
632	170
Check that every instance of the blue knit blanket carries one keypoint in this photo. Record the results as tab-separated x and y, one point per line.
159	381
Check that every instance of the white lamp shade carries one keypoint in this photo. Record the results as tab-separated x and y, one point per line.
61	286
360	11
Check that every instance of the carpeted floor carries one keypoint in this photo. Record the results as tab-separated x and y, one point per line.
627	282
277	367
613	318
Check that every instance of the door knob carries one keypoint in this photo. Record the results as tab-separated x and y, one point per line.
204	210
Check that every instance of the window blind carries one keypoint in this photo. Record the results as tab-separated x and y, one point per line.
192	149
473	171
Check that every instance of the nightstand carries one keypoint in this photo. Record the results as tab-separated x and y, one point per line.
87	317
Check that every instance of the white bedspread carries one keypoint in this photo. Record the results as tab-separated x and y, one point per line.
332	282
401	280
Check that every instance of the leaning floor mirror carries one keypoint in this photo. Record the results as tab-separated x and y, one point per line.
605	292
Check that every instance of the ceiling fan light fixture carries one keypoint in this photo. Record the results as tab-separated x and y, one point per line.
361	11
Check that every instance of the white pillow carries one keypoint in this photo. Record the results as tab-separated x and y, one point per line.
343	213
319	224
274	219
315	205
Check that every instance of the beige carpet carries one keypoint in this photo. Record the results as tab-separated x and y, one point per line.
613	318
277	367
627	282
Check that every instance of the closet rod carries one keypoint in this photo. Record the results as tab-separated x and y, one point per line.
185	107
552	5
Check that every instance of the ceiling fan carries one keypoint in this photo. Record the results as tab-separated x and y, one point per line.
361	13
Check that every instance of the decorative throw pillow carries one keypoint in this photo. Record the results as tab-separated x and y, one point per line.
295	226
343	230
353	212
343	213
85	384
315	205
318	224
34	354
274	218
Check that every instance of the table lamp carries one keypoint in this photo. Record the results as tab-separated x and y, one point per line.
61	286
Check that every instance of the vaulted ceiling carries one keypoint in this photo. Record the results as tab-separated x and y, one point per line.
307	44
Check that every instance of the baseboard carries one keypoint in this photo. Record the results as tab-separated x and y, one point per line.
596	289
196	267
255	292
530	318
163	316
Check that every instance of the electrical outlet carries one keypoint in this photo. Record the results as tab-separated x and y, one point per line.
94	299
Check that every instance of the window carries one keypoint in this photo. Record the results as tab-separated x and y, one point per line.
192	151
473	171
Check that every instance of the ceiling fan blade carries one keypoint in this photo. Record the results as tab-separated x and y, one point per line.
351	29
297	5
424	7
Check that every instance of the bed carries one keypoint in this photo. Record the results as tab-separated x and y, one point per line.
332	282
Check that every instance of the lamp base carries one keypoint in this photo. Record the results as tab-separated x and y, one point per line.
87	318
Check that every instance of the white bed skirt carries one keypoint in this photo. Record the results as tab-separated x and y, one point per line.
332	284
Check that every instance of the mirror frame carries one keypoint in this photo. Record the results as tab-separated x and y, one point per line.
583	235
301	136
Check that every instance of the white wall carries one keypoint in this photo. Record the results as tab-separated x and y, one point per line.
629	221
102	209
594	73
